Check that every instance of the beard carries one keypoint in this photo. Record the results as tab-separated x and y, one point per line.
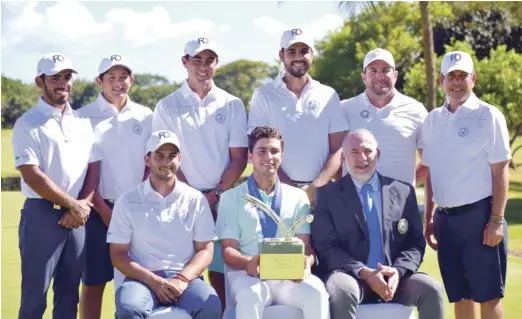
54	99
298	73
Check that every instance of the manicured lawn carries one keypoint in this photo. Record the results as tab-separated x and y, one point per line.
7	154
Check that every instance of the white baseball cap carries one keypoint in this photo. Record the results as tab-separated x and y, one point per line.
456	60
378	55
195	46
295	36
113	60
53	63
159	138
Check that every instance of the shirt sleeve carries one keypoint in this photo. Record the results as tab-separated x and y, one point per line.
26	145
303	209
258	114
227	222
498	145
159	119
238	129
337	122
420	122
204	229
95	154
120	227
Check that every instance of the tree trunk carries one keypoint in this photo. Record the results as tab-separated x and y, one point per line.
429	55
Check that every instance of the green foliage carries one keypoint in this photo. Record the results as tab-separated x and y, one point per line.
395	27
240	78
17	98
150	94
83	93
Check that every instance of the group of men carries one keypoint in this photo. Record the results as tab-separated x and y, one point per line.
155	196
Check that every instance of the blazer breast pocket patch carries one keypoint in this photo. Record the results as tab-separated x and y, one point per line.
402	226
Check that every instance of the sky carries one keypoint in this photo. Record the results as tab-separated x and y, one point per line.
151	34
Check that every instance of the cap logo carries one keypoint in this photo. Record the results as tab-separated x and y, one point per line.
115	57
297	31
202	40
455	57
58	57
164	135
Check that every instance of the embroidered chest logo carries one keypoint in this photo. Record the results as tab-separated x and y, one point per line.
137	129
365	114
463	132
220	118
313	105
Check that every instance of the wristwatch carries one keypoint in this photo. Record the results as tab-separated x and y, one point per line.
218	192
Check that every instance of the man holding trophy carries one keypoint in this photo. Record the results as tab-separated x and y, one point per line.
256	222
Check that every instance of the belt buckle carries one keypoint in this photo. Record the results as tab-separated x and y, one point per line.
56	206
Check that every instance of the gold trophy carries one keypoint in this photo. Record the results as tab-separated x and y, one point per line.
281	258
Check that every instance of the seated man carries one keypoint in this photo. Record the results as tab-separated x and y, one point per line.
368	237
161	236
240	226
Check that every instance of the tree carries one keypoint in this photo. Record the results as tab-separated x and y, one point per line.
83	93
151	94
240	78
17	98
429	54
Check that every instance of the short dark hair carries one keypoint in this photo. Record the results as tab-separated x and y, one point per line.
101	75
264	131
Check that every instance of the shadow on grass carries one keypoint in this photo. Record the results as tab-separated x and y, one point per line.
514	211
515	186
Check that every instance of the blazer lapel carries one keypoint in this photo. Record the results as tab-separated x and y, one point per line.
388	201
352	202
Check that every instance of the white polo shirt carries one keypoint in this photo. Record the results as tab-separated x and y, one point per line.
62	145
459	148
98	110
121	141
304	123
206	129
397	127
161	230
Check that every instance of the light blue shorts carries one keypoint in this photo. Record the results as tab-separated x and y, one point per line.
217	264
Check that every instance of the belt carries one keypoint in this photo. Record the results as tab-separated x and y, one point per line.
301	183
206	191
55	206
464	208
110	200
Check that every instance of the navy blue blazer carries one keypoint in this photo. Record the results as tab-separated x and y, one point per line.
340	233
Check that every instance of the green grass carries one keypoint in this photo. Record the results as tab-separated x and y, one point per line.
7	154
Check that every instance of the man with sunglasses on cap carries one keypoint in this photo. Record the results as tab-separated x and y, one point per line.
307	113
161	236
55	154
121	129
211	125
394	118
466	150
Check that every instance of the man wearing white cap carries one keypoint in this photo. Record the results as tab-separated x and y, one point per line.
466	150
211	125
121	129
307	113
55	154
394	119
161	236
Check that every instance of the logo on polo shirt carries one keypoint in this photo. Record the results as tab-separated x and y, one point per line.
313	105
463	132
365	114
221	118
137	129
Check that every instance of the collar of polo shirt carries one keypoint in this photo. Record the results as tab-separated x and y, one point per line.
186	91
47	109
149	190
471	103
104	104
278	81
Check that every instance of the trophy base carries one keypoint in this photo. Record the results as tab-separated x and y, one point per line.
281	259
